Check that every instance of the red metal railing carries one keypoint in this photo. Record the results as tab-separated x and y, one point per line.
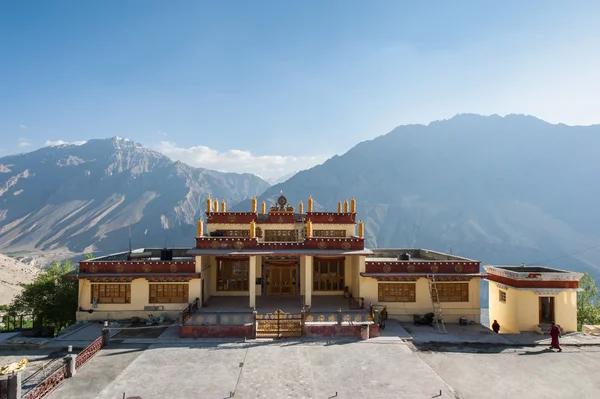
45	387
88	352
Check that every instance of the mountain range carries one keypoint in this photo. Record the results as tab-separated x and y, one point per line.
503	190
74	199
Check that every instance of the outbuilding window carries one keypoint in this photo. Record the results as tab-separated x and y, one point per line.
502	296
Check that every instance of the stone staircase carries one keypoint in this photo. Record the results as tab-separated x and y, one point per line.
544	329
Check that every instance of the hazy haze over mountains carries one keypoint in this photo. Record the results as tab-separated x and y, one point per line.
502	190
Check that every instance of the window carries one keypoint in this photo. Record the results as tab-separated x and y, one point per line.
233	233
329	233
503	296
169	293
453	292
328	274
281	235
111	293
232	275
396	292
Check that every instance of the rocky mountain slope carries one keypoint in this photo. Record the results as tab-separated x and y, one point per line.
503	190
12	274
82	199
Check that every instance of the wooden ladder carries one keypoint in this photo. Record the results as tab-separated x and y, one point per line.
437	307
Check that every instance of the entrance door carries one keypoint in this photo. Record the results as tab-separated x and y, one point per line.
546	309
281	279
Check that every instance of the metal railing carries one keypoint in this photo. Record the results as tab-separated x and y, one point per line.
89	352
189	311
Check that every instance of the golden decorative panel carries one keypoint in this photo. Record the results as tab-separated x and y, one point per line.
330	218
119	268
346	245
231	218
434	269
173	268
93	268
387	268
238	245
147	268
214	244
410	268
458	268
322	245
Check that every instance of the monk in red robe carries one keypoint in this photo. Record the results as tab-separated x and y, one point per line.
555	333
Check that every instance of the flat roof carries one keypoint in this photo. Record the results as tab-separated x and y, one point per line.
179	254
531	269
416	255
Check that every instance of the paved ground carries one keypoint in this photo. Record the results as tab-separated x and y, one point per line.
521	373
283	369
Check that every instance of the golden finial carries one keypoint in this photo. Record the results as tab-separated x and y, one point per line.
346	206
216	205
253	204
252	229
300	207
310	204
361	229
353	205
208	204
309	228
263	207
340	207
223	206
200	228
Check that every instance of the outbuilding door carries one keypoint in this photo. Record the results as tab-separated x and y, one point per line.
546	309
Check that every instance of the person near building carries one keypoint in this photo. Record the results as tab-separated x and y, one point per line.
496	327
555	334
383	318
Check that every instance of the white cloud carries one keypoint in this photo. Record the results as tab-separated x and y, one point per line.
239	161
23	127
62	142
23	142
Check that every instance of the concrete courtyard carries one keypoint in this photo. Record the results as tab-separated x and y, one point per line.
360	369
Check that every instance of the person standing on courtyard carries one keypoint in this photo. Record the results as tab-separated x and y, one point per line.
382	318
496	327
555	334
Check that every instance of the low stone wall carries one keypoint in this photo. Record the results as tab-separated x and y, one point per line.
244	331
335	330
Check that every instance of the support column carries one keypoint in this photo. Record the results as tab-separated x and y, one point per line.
252	281
308	280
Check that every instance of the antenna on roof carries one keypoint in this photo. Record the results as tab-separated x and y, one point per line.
129	238
450	253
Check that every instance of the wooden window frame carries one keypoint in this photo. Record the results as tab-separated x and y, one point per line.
447	292
329	233
234	233
168	293
280	235
502	296
397	292
113	293
323	280
230	279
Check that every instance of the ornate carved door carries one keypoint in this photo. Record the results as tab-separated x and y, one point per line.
281	279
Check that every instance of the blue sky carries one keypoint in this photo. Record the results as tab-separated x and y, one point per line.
276	86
